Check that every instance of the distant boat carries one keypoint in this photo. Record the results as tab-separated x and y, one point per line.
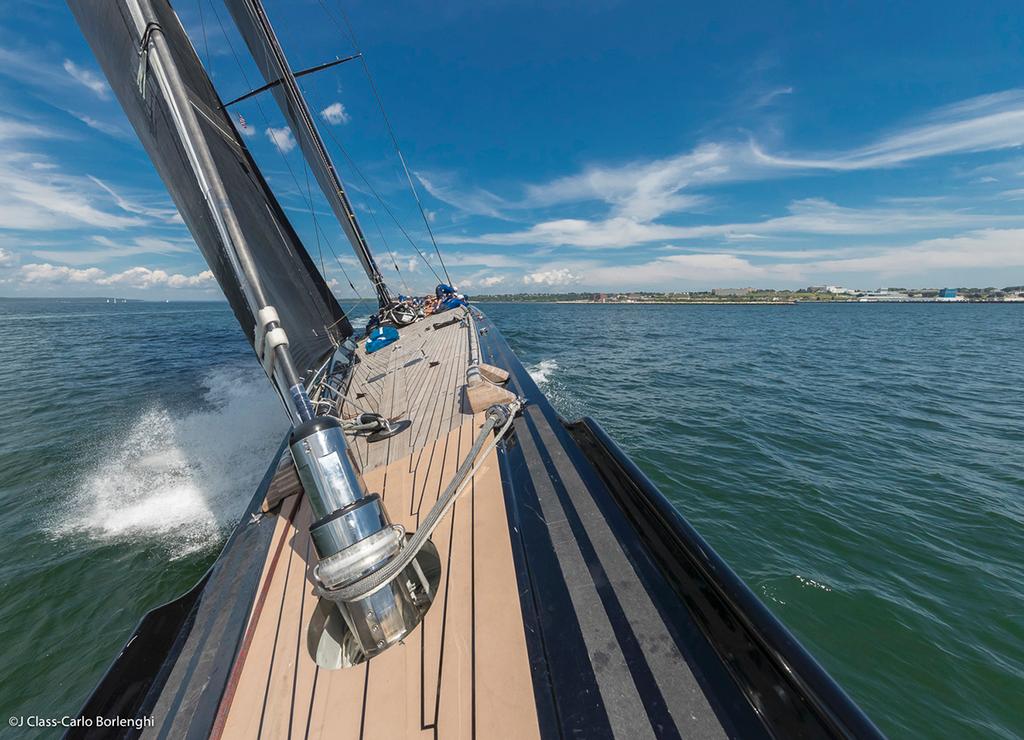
433	550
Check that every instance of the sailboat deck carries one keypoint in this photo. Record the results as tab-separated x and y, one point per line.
456	675
419	378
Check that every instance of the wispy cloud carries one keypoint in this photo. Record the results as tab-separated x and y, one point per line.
49	200
638	195
809	216
163	212
980	124
88	78
104	249
102	126
477	201
767	98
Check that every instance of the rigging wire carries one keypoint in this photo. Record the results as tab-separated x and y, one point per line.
312	213
206	41
383	203
376	224
266	121
387	123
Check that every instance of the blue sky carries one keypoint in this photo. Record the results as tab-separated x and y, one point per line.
559	146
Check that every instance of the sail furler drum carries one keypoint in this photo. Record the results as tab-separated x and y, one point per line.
354	538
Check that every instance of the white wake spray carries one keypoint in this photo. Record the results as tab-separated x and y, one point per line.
182	478
542	371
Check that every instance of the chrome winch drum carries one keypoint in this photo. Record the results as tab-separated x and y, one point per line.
353	538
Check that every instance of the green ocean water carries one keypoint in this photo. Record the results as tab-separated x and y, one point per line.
860	466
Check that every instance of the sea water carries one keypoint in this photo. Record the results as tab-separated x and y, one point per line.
860	466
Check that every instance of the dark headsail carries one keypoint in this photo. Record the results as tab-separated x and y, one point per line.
259	36
254	253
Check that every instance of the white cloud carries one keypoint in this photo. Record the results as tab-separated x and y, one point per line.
7	258
677	269
246	129
143	277
996	249
87	78
134	277
281	138
490	282
990	256
551	278
335	114
47	273
645	190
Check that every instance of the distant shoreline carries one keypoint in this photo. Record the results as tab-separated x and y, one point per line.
672	303
747	303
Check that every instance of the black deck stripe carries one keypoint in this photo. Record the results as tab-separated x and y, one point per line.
538	653
713	681
444	613
662	722
585	707
554	639
618	689
472	603
438	405
366	688
312	699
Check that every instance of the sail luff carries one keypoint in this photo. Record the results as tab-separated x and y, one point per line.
251	248
253	23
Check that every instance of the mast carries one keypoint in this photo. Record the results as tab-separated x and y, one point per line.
255	27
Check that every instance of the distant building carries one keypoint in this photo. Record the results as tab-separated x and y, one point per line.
731	292
949	294
839	290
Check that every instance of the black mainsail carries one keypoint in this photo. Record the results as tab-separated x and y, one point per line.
249	244
252	22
